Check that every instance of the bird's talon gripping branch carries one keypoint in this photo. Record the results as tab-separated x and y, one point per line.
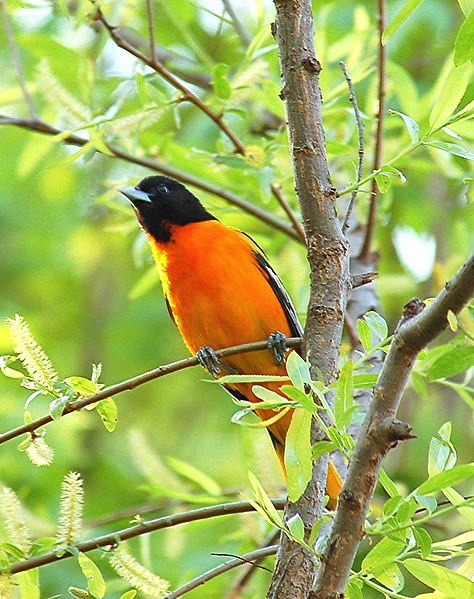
208	359
277	344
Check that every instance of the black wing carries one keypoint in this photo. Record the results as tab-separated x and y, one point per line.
278	289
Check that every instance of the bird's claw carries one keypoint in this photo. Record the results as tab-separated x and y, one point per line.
208	360
277	344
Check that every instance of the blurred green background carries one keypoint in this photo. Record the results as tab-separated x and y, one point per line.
74	264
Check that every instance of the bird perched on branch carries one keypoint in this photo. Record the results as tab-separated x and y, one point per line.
220	291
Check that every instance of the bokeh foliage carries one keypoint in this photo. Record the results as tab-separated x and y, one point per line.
74	265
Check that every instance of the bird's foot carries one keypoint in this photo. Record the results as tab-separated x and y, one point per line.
277	344
208	360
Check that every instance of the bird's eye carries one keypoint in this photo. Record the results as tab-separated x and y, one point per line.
163	189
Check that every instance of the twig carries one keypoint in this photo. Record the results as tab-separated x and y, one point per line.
161	167
237	589
375	192
360	131
327	257
363	279
135	381
352	333
12	46
141	528
239	28
381	431
151	28
257	554
252	563
278	194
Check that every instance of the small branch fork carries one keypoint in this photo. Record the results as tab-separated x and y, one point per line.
188	96
112	539
253	556
418	326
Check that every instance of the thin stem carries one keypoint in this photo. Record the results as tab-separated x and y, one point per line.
278	194
151	28
136	381
141	528
360	132
239	28
15	54
237	589
375	192
257	554
161	167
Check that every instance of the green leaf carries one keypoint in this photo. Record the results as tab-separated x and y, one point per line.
195	475
400	18
452	90
298	371
264	506
302	398
95	581
451	363
377	324
387	483
84	387
419	384
129	594
28	583
343	401
298	454
56	407
322	447
448	478
354	590
452	321
220	81
383	181
423	540
381	555
464	47
411	125
296	527
441	579
442	454
5	362
365	334
364	381
391	577
107	410
451	148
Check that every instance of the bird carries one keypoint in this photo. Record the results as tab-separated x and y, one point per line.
220	291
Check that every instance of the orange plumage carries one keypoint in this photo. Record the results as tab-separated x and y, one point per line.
220	289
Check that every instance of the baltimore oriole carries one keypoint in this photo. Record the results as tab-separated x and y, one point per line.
220	291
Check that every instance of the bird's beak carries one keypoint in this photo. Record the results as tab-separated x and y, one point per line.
135	195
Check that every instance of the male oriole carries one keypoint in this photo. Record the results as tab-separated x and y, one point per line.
220	291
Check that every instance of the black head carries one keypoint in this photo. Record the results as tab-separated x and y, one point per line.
161	202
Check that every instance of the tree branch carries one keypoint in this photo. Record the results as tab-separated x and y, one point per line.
267	217
327	257
144	527
255	555
374	191
136	381
381	431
